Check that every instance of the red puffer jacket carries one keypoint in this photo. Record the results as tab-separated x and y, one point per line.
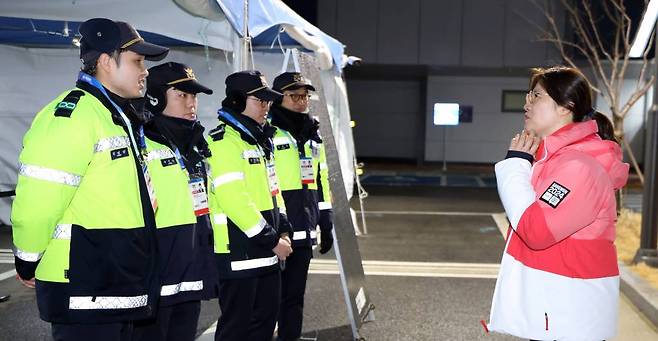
559	278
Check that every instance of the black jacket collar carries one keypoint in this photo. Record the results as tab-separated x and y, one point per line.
300	125
260	135
132	108
179	133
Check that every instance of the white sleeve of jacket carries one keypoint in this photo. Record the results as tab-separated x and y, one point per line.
514	187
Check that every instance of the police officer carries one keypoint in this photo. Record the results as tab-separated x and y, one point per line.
175	156
301	165
83	218
250	230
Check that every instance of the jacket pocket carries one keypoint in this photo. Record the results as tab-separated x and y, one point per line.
110	260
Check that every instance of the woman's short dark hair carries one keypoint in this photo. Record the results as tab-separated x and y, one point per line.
569	88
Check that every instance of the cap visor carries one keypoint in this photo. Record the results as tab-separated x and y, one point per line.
149	51
267	94
192	87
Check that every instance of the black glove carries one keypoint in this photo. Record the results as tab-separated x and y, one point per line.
267	238
326	225
25	269
284	225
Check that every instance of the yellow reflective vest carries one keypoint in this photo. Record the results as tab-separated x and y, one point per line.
82	211
245	202
302	172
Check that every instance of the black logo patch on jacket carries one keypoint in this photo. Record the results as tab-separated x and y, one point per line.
217	134
67	105
168	161
554	195
283	146
119	153
254	160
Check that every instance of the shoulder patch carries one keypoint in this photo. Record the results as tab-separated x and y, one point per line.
68	104
554	195
218	133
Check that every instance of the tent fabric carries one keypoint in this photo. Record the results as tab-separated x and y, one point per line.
32	77
40	32
158	16
264	14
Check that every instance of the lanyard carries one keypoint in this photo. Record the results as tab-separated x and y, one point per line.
232	120
173	147
96	84
180	159
300	149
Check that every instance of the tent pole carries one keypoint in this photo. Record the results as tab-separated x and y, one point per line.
245	36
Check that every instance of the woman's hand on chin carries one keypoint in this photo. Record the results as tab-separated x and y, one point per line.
526	142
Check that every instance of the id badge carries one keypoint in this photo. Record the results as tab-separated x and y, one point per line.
199	196
272	179
149	187
308	176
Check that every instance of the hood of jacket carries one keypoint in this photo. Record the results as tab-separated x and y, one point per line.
582	136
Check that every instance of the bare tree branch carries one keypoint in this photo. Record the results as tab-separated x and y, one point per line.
554	35
609	14
598	53
597	36
631	155
625	29
640	90
637	95
593	54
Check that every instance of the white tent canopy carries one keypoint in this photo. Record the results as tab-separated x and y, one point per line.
158	16
32	77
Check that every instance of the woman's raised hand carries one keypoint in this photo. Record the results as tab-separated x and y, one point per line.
526	142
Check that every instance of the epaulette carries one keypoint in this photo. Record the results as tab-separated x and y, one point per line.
218	133
68	104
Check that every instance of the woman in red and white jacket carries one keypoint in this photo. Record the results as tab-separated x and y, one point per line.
558	278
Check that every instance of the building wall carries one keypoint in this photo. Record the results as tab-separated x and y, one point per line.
485	139
467	51
480	33
456	41
389	116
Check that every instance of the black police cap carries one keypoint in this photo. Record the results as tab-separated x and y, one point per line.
162	77
101	35
251	83
291	81
177	75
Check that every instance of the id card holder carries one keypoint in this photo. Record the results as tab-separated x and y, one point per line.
149	187
271	178
308	176
199	196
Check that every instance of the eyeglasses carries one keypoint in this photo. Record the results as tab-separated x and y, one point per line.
532	95
298	97
262	102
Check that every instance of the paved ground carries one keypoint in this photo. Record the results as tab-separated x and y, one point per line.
430	257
